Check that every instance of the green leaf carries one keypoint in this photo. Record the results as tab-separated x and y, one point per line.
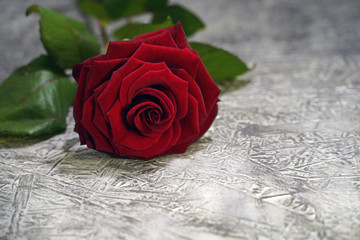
35	99
127	8
96	9
124	8
66	40
190	22
156	5
131	30
221	65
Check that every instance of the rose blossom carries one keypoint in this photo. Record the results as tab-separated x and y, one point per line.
145	97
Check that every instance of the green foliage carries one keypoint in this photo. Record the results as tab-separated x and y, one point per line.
35	99
128	8
131	30
96	9
221	65
190	22
66	40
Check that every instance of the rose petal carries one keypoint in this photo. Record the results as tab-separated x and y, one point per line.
177	86
122	49
161	39
131	69
208	87
176	32
155	150
100	72
100	120
79	100
180	148
166	100
194	90
100	141
122	134
176	132
79	67
140	108
190	123
173	57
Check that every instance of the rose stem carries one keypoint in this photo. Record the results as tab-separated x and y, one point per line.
104	35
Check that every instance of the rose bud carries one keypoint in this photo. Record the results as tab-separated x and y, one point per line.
145	97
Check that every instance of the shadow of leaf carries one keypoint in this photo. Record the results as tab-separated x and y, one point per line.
233	85
23	141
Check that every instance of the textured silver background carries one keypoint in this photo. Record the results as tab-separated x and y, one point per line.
281	160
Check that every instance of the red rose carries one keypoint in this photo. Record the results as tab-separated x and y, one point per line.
145	97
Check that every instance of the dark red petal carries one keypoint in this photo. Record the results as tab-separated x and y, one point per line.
78	68
100	72
166	100
156	149
122	134
162	39
89	140
79	101
176	133
100	120
178	148
138	109
101	143
176	32
117	123
194	90
190	123
208	87
122	49
177	86
173	57
125	95
109	94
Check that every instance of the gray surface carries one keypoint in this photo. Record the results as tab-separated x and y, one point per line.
280	162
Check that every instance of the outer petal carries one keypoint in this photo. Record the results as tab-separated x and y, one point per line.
163	39
190	123
100	72
121	49
101	142
179	148
157	149
78	68
176	31
208	87
173	57
194	91
81	74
